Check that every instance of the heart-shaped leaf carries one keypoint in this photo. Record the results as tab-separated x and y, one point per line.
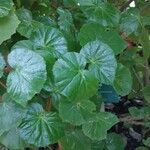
78	111
97	126
73	80
39	127
93	31
102	62
2	65
28	75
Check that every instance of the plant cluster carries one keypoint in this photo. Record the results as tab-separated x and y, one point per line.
61	61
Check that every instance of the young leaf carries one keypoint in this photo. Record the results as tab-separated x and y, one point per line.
123	80
73	80
49	39
10	114
93	31
78	111
11	139
8	26
75	140
40	128
28	75
5	7
102	62
2	65
97	126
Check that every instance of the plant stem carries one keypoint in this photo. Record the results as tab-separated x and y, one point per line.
48	104
3	85
131	120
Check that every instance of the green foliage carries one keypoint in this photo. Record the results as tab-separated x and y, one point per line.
63	61
2	65
8	26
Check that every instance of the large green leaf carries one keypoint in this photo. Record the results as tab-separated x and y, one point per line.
102	13
75	140
2	65
93	31
28	75
10	114
45	53
8	26
73	80
97	126
5	7
101	60
123	80
40	128
49	39
78	111
11	139
115	142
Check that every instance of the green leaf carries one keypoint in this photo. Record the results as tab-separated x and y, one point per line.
11	139
75	140
26	28
73	80
24	15
45	53
93	31
8	26
28	75
5	7
147	142
78	111
65	20
10	114
129	21
102	13
101	60
114	142
97	126
123	80
49	39
2	65
146	93
40	128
